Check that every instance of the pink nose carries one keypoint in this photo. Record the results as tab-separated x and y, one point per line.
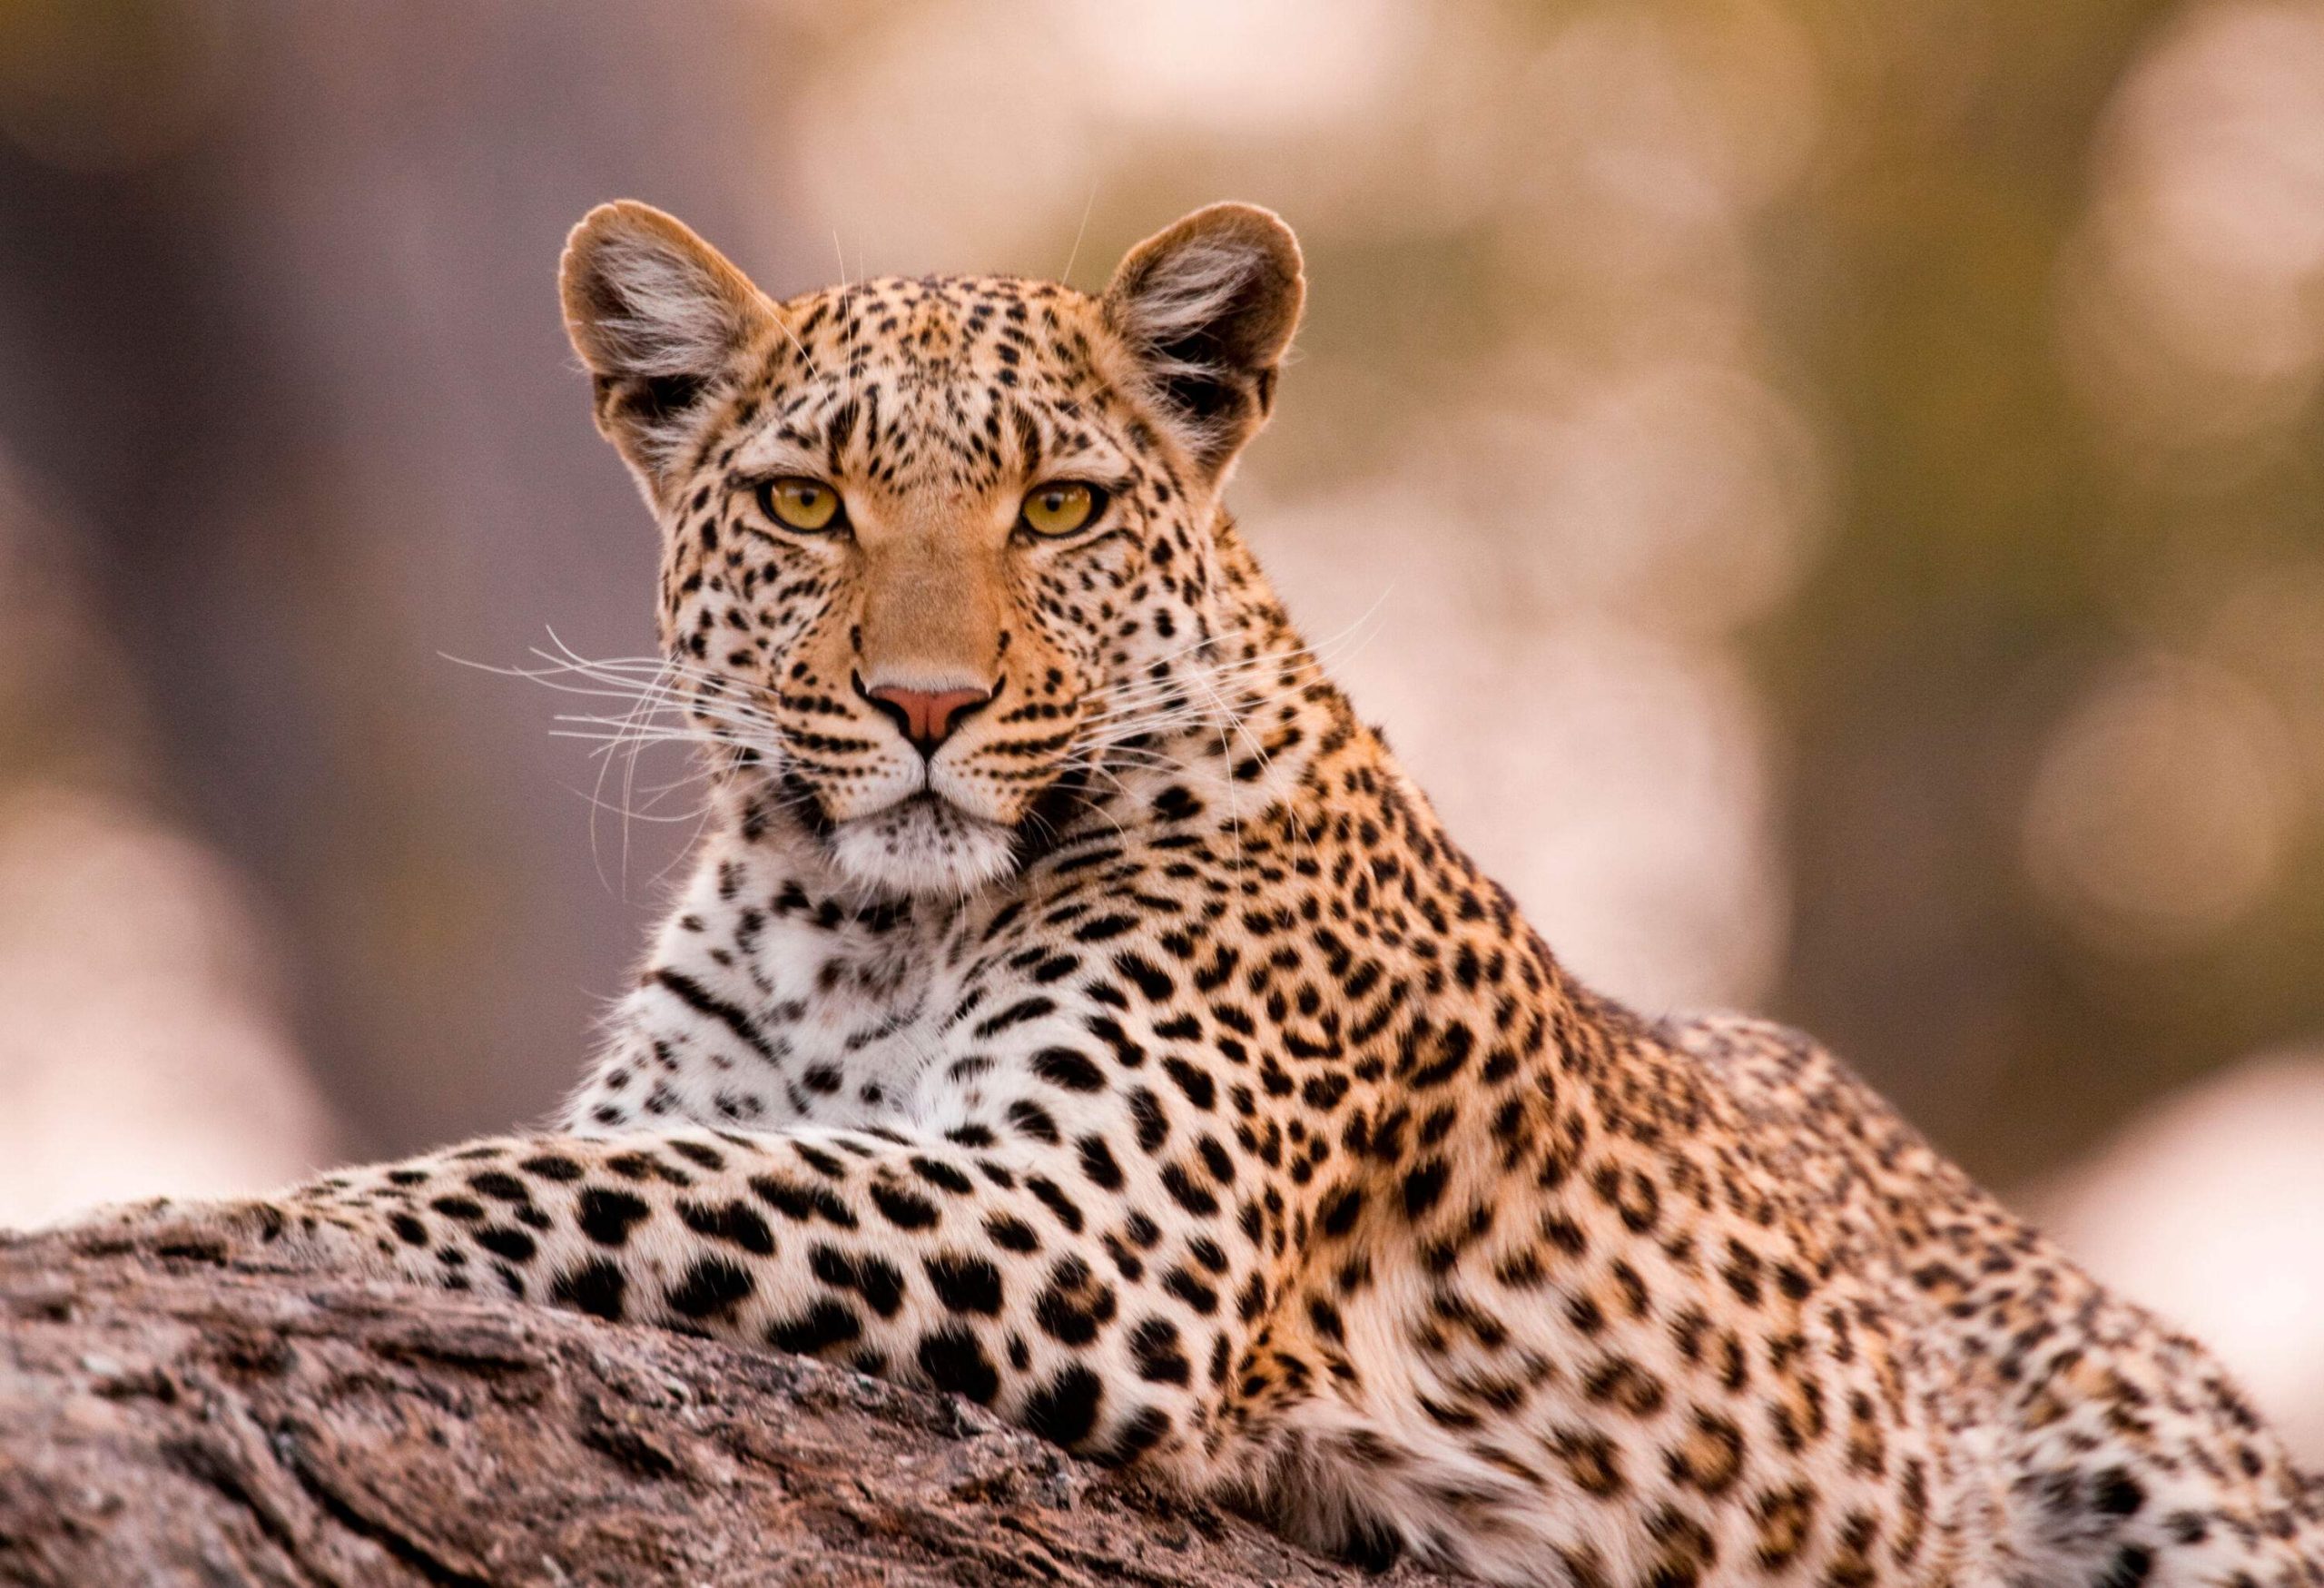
927	716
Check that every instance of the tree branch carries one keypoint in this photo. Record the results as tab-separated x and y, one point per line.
177	1421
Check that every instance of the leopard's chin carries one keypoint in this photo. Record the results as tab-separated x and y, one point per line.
924	846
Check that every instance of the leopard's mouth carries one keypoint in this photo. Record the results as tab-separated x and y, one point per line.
925	844
922	845
933	811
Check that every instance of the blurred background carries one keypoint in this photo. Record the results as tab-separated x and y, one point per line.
1826	495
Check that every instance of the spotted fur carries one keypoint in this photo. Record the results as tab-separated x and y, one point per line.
1149	1066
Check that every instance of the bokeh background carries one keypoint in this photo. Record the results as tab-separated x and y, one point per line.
1826	494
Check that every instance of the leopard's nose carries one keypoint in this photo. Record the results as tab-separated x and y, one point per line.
925	716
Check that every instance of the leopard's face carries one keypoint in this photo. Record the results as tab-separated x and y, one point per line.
928	543
932	557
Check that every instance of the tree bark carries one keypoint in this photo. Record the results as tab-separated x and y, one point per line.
175	1420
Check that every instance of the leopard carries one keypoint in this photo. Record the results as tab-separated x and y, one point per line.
1073	1006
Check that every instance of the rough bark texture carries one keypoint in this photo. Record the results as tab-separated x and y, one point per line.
173	1420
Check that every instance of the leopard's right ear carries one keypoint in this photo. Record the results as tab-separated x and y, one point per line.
1207	308
661	319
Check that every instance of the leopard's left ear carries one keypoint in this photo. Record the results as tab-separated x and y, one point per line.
1207	308
661	320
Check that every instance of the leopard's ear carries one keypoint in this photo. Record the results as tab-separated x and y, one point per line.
1207	308
661	319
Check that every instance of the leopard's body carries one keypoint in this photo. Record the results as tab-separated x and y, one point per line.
1147	1064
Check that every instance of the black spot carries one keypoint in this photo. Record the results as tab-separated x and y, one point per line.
695	1153
821	1326
1215	1160
1183	1285
1011	1234
822	1162
1069	1213
503	1241
596	1286
1151	978
1073	1307
1424	1187
1127	1054
1195	1199
1065	1409
1015	1014
1069	1068
694	996
965	1283
1034	1120
904	1209
501	1185
1323	1092
942	1175
1453	1050
409	1230
880	1282
607	1216
1097	1163
729	1221
1197	1086
1176	804
552	1165
1154	1347
713	1284
465	1208
2118	1493
954	1361
1140	1433
2131	1566
801	1203
1145	1113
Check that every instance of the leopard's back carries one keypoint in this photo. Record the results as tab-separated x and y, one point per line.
2099	1441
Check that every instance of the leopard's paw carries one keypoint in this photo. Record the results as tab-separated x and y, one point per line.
222	1232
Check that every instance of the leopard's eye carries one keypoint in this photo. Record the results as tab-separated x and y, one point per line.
1061	507
799	503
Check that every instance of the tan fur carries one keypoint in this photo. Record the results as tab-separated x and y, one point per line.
1148	1063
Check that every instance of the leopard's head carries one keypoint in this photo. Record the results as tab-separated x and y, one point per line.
924	540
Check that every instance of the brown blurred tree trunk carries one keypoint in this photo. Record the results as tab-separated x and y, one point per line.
181	1422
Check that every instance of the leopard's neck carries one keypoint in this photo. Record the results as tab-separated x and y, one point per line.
1257	804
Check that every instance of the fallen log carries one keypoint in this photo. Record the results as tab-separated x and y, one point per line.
180	1421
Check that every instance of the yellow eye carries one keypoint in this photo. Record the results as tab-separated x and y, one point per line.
1061	507
801	503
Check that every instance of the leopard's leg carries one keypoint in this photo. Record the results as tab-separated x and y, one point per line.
1005	1279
